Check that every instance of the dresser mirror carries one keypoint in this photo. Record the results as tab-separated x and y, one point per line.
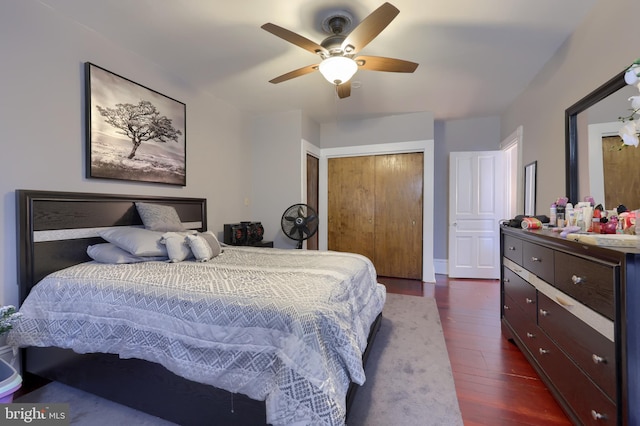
587	125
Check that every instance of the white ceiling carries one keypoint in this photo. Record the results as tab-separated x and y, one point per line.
475	56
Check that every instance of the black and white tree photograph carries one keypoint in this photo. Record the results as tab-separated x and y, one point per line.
133	133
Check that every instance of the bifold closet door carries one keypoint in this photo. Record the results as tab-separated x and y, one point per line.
351	204
398	218
375	209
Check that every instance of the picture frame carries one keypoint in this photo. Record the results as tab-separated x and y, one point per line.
133	133
530	189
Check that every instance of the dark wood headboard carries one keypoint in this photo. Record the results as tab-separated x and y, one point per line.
55	228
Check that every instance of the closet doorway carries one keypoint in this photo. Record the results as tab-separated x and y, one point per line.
375	208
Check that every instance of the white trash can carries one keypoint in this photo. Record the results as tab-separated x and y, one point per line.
10	381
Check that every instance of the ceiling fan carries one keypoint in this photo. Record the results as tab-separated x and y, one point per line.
338	51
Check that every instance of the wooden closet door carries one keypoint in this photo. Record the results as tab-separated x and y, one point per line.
312	194
351	205
375	209
398	215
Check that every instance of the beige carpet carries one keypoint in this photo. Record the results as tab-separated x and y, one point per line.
409	380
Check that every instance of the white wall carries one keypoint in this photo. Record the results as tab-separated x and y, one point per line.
276	167
602	46
42	122
397	128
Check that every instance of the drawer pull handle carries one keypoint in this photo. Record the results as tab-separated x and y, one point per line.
506	307
530	335
506	280
543	351
598	416
577	280
598	359
535	259
526	299
544	313
512	248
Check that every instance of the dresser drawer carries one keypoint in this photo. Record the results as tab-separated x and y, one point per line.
539	260
589	282
590	350
523	324
513	249
587	401
522	293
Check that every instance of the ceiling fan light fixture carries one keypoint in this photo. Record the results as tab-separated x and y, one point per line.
338	69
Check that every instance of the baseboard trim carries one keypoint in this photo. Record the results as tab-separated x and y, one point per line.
441	266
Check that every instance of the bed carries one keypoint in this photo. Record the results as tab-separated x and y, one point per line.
252	336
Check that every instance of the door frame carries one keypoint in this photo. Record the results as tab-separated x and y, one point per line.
424	146
511	147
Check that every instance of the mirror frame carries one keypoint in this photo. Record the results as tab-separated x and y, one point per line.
571	130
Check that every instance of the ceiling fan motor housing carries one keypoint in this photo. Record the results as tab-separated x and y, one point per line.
337	22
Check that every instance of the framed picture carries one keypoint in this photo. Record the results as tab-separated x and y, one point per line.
530	189
133	133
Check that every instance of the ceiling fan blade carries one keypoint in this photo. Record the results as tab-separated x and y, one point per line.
293	74
379	63
344	90
294	38
369	28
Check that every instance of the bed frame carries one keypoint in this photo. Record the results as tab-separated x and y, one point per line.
54	230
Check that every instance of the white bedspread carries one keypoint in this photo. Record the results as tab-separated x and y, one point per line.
285	326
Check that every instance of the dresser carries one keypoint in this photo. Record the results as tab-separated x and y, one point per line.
574	312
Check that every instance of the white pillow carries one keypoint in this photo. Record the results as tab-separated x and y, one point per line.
204	245
177	246
157	217
137	241
111	253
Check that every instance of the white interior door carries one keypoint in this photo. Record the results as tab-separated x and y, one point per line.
475	208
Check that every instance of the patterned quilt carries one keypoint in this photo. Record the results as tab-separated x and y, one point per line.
284	326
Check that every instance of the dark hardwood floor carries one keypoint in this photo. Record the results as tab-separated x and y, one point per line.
494	382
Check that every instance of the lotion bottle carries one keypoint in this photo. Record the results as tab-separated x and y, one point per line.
570	215
552	215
